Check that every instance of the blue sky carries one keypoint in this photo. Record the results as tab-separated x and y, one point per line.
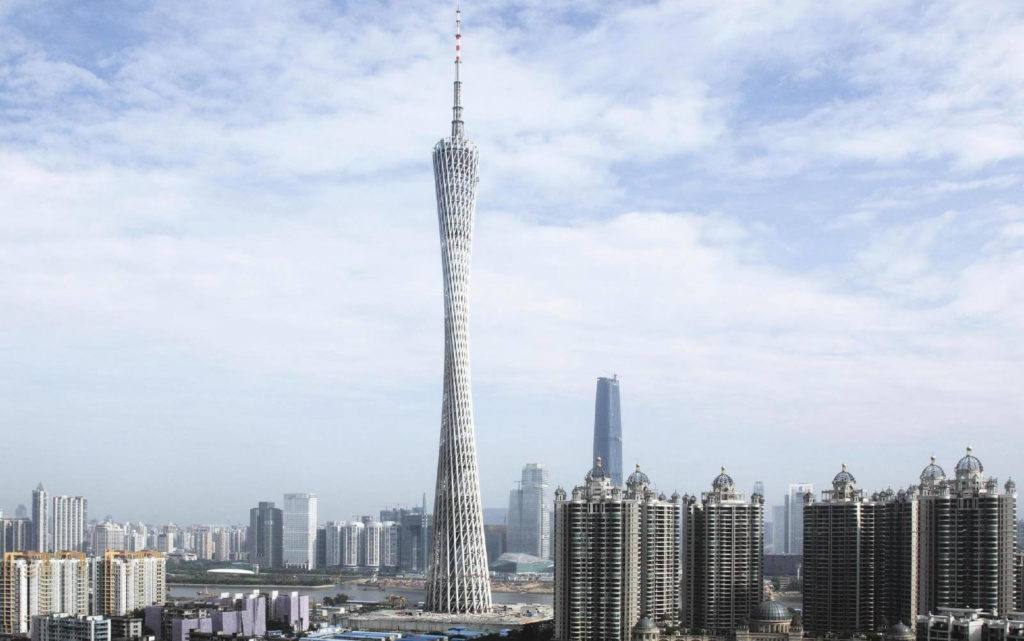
794	229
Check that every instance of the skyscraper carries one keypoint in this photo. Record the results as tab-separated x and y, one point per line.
529	521
723	557
608	428
457	580
795	516
40	520
860	570
266	534
966	539
616	557
69	518
299	543
107	536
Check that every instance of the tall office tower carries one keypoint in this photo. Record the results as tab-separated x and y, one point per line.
266	535
616	557
723	567
966	539
21	512
40	520
15	534
69	519
321	546
351	544
300	531
529	521
608	427
758	489
107	536
780	529
457	579
389	545
795	516
496	538
33	584
124	582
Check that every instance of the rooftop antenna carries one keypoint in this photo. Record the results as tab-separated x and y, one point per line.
458	128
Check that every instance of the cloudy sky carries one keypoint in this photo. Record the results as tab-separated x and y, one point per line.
794	229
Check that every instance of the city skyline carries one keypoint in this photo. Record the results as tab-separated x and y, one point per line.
215	243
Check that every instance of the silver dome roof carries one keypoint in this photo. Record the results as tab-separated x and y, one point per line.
969	463
844	477
933	472
723	481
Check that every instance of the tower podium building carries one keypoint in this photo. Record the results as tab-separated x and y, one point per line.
457	581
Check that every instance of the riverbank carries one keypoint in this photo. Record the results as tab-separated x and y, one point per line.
505	587
291	586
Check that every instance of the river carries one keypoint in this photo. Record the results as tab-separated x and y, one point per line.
355	592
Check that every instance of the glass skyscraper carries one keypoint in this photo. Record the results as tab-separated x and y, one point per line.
608	428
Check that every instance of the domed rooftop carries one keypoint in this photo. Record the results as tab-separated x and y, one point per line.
899	628
597	472
638	478
1010	486
969	463
770	611
723	481
645	624
932	472
843	477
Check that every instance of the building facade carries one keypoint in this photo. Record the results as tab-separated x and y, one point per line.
299	545
529	517
608	427
457	579
723	572
616	557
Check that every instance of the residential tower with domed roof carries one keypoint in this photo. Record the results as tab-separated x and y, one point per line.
723	567
616	557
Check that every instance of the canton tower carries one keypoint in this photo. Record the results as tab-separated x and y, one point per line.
457	581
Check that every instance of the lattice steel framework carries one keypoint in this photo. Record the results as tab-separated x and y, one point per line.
457	579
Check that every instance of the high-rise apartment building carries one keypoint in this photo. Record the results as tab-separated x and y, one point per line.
40	519
795	516
616	557
124	582
389	545
780	529
966	539
69	519
15	534
66	627
608	427
372	533
457	579
34	584
723	569
351	544
300	531
107	536
529	518
333	533
266	535
860	565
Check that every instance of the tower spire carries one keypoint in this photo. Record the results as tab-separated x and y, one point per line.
458	129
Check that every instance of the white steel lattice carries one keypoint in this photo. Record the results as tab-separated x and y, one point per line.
457	580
